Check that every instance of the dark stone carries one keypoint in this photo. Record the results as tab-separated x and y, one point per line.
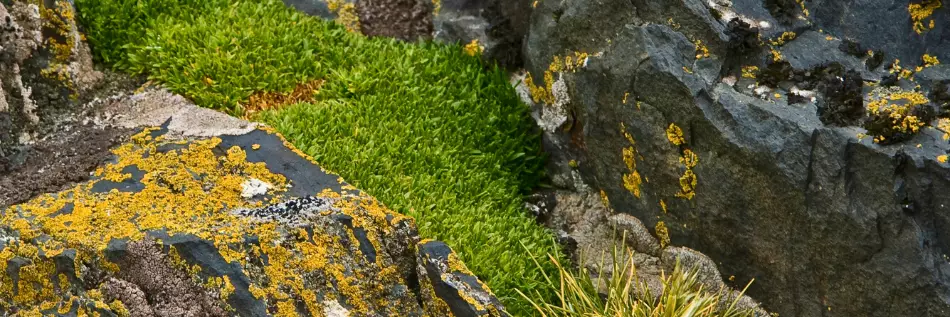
827	224
843	101
498	25
455	287
408	20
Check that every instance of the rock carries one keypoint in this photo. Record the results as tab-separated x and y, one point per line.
449	288
499	26
682	117
164	228
45	69
407	20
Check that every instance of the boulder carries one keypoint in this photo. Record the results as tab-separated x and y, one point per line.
733	124
208	215
45	68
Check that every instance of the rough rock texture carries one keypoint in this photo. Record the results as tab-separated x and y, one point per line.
591	231
702	119
44	68
407	20
498	25
180	222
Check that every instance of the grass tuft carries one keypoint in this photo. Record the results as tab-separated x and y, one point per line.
424	127
624	294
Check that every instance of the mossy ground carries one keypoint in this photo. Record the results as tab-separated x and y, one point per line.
424	127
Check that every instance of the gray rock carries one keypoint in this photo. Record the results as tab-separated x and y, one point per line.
827	223
498	25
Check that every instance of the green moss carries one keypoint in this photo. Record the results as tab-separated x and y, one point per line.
423	127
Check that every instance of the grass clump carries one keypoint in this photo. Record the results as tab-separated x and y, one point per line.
622	293
423	127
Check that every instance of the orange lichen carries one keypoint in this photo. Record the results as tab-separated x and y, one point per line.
920	12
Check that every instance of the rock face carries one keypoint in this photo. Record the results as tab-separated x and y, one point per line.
408	20
737	128
498	25
220	217
44	68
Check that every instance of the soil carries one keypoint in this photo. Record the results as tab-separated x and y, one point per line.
61	159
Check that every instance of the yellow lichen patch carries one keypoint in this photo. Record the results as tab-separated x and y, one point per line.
675	135
632	179
436	7
346	14
750	71
776	55
801	3
626	96
920	12
632	183
930	60
473	48
189	191
687	185
701	50
663	206
268	100
942	158
569	63
784	38
604	199
663	234
119	308
944	125
900	71
687	70
898	106
689	159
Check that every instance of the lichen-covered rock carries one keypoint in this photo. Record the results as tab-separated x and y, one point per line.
238	223
448	288
782	139
498	26
45	66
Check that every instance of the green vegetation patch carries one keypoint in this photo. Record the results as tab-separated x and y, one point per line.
423	127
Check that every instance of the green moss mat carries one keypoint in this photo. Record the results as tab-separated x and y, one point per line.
423	127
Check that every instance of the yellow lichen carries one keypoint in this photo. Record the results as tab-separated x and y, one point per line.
188	191
898	107
701	50
921	11
663	206
930	60
473	48
626	95
675	135
604	199
687	185
784	38
436	7
663	234
942	158
776	55
632	179
750	71
804	10
944	125
346	14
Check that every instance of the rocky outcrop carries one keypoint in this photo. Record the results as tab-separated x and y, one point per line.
408	20
780	138
209	215
45	66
